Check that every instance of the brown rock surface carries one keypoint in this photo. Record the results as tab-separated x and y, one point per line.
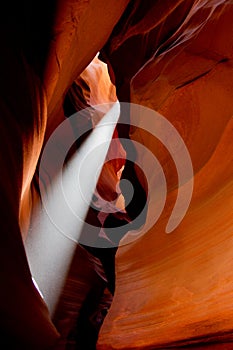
172	56
177	289
41	56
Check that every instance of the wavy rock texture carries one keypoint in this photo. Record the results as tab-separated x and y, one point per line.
176	289
44	49
84	296
172	56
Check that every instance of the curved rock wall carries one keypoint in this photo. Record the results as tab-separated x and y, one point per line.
176	289
44	48
175	57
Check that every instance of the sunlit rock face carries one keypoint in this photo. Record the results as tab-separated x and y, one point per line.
43	51
176	289
174	57
85	296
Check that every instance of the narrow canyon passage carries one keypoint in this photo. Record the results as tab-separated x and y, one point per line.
139	254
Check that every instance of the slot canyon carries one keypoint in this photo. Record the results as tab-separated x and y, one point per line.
136	98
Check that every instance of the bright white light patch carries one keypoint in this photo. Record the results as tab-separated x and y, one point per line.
37	287
50	252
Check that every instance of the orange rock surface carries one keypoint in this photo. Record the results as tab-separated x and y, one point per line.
176	289
176	58
44	48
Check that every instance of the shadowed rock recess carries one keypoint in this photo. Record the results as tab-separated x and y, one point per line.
162	290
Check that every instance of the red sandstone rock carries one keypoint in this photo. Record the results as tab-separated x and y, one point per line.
27	63
176	289
175	57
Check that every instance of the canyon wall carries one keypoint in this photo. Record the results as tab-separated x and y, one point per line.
176	58
176	289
